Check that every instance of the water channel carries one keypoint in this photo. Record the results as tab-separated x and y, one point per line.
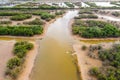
54	60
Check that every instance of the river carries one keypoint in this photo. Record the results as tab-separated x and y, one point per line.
54	60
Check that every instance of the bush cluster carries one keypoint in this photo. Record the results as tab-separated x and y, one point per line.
21	17
95	29
59	13
111	64
9	13
21	30
5	22
85	12
45	6
34	22
40	12
82	16
117	14
47	16
14	65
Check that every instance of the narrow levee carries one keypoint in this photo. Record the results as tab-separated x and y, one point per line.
54	60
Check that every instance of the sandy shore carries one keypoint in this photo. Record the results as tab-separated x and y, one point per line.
85	62
6	48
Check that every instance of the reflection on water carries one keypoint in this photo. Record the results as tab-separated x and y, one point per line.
53	61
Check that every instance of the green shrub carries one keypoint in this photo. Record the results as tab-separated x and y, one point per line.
95	29
9	13
47	16
84	47
117	14
21	30
21	17
20	51
35	22
14	62
111	63
59	13
94	71
14	65
45	6
87	16
29	46
5	22
85	12
13	73
21	48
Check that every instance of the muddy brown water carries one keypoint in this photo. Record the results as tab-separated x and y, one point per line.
54	61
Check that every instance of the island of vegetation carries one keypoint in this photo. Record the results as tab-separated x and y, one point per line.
15	64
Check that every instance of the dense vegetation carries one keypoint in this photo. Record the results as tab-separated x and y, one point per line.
85	11
95	29
111	63
47	16
21	17
14	65
5	22
60	13
83	16
45	6
35	22
39	13
9	13
21	30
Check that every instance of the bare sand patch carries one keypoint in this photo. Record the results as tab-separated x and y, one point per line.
6	48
